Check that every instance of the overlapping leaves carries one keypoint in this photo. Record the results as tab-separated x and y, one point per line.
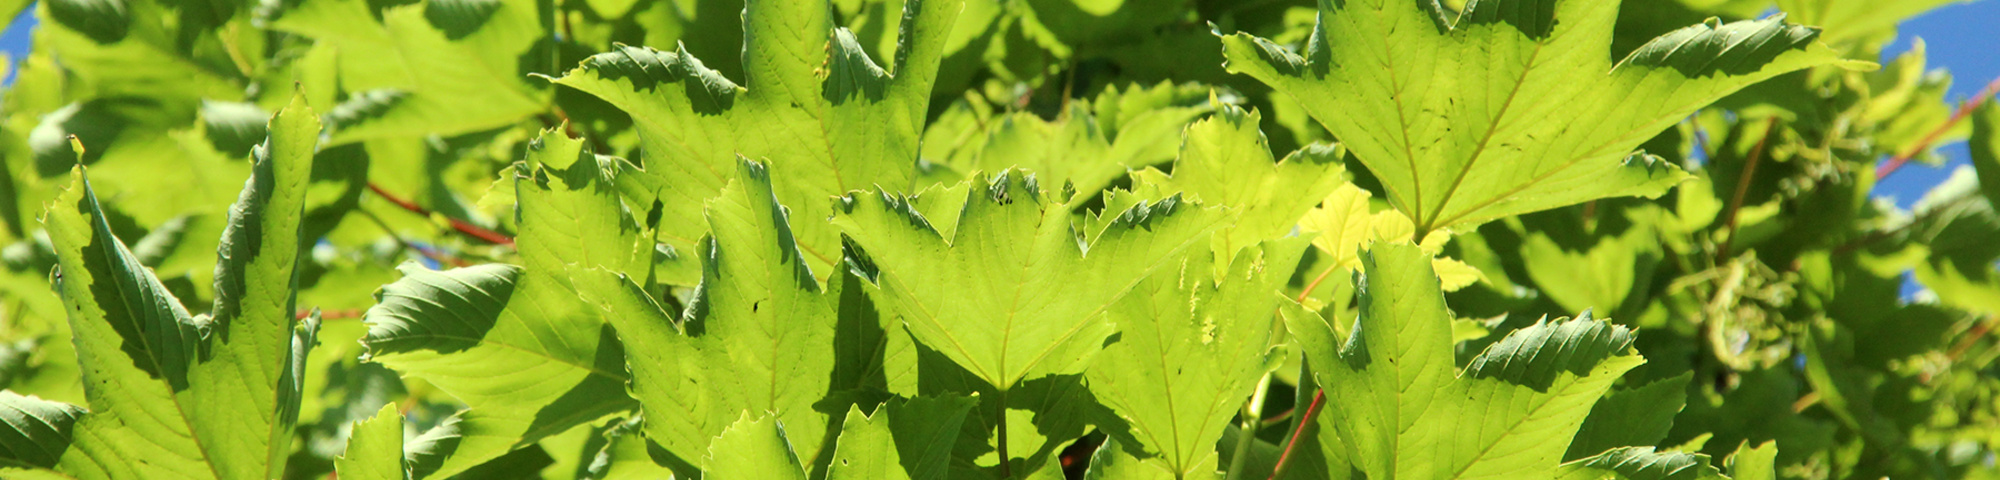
813	105
759	335
1191	346
1010	237
173	395
1091	144
527	356
444	67
1512	107
1407	411
762	335
1225	160
973	318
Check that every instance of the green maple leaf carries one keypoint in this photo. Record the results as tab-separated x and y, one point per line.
141	48
1403	410
1617	266
1012	293
516	343
1636	417
759	335
1191	347
620	451
754	449
173	395
1112	461
1755	463
1514	107
904	440
1225	160
375	448
1092	145
444	67
1043	415
813	105
256	346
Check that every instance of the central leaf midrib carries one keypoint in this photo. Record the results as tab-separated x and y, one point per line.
1565	165
931	317
1099	309
1014	308
1402	121
114	252
1498	118
1160	339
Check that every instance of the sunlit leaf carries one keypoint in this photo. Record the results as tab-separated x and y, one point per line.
1406	409
813	105
1543	119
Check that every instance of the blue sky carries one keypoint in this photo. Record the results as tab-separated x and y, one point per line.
15	40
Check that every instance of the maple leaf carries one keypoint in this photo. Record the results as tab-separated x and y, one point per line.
1513	107
375	448
516	343
1191	346
1225	160
1039	293
904	440
1405	409
1345	223
1090	146
445	67
758	335
813	105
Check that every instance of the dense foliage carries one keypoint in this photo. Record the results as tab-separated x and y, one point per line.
984	239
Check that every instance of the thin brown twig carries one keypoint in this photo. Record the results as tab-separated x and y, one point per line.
1252	424
1743	186
1319	396
1316	281
1006	463
1964	110
1980	328
1069	85
1805	401
1590	214
462	226
1279	417
1971	337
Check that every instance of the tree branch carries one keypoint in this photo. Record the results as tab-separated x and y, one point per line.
462	226
1743	187
1964	110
